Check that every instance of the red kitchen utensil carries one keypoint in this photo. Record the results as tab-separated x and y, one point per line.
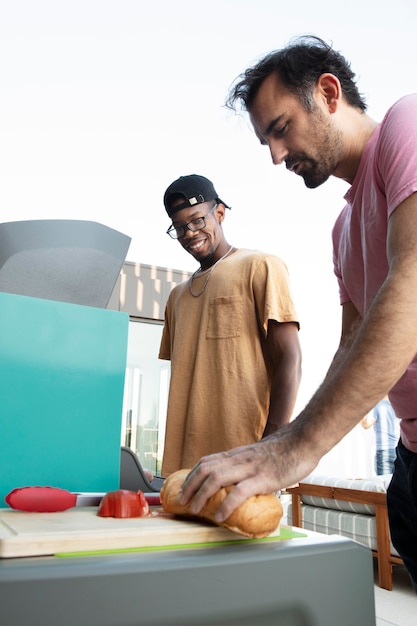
53	499
41	499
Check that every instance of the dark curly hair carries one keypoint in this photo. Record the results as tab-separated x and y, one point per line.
298	65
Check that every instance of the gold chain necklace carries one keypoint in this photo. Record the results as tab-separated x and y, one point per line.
209	272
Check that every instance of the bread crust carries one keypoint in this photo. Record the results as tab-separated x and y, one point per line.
257	517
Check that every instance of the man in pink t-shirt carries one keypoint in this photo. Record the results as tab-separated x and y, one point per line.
304	105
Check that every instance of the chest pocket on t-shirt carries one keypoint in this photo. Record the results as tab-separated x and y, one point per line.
224	319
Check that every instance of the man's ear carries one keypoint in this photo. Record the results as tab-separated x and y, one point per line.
220	212
329	88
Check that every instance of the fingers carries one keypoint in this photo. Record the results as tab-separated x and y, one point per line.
213	472
243	468
234	499
203	486
259	468
202	482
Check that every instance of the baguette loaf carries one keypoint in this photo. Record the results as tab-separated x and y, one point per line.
257	517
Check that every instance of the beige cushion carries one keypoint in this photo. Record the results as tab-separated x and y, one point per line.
375	483
360	528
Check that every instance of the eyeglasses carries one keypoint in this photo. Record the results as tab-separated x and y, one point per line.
176	232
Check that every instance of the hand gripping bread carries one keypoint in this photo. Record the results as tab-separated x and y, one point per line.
258	516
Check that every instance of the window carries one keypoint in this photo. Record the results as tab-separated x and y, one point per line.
145	394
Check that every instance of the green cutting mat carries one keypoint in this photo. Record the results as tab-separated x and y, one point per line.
285	533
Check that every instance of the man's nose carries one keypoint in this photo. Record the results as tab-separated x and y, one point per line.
278	152
189	234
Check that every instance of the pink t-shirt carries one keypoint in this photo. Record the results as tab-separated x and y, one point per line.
387	175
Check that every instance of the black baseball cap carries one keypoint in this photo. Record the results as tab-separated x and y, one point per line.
194	189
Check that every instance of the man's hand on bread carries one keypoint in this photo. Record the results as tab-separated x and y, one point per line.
260	468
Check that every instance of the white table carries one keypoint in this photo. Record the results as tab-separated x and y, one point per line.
317	580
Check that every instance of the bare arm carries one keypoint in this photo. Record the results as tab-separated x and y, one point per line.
357	382
351	320
353	386
285	352
368	420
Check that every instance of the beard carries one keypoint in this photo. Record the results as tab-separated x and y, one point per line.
327	145
314	173
206	258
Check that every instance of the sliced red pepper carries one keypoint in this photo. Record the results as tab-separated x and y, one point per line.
123	503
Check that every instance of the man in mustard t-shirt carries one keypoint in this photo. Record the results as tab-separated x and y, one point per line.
231	334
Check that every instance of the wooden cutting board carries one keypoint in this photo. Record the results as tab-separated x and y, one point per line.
81	529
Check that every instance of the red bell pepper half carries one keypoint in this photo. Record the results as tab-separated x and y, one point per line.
123	503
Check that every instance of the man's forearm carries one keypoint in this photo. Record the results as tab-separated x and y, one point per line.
284	389
356	381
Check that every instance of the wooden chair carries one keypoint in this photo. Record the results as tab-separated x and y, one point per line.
378	500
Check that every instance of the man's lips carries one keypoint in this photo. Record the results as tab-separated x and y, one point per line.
195	246
293	166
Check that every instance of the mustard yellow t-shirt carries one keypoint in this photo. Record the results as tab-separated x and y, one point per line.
220	374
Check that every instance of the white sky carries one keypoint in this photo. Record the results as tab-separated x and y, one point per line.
103	103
